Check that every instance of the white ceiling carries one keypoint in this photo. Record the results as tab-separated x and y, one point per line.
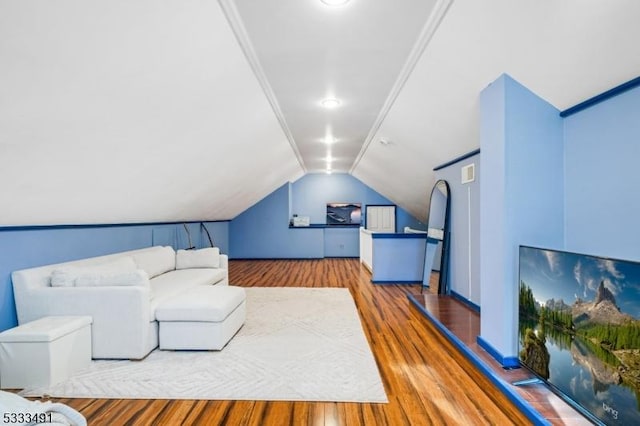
564	51
137	110
308	51
131	111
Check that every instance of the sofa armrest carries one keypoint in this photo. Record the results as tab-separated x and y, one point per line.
224	264
224	261
120	327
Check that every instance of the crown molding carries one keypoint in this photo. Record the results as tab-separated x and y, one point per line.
435	18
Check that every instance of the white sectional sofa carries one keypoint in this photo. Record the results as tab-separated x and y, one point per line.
119	291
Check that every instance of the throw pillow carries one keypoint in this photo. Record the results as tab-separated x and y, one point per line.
202	258
156	260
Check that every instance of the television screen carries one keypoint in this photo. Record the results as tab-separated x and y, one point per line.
343	213
579	330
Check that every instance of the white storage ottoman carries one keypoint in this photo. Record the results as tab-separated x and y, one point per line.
44	351
203	318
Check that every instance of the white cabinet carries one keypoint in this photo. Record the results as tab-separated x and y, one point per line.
366	249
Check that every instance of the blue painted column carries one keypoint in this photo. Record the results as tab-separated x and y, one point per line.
522	201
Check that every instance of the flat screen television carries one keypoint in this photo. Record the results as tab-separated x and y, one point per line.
344	213
579	330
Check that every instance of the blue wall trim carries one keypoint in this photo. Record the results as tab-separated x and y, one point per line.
342	257
277	258
466	301
504	387
457	159
100	225
324	225
602	97
505	361
387	236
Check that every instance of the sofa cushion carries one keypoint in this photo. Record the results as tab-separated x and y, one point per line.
202	258
135	278
66	276
173	283
202	303
156	261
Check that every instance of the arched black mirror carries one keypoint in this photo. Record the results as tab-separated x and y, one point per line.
436	259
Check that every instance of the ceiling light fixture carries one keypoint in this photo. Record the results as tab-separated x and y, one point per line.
334	2
329	140
330	103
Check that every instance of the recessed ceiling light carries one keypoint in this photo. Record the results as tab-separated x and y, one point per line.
330	103
329	139
334	2
328	171
385	142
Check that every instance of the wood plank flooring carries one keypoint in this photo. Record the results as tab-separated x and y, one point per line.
428	382
464	323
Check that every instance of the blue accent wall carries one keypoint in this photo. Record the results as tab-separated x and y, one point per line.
311	193
262	231
35	246
341	242
522	200
602	157
464	243
567	183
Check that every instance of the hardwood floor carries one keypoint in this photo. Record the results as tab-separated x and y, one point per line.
426	379
464	324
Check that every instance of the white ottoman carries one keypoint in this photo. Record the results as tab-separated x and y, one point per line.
44	351
203	318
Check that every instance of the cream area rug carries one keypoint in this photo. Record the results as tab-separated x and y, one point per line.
297	344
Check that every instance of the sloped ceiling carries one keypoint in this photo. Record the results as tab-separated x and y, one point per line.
564	51
127	111
122	111
308	51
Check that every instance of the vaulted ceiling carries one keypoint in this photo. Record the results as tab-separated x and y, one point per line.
121	111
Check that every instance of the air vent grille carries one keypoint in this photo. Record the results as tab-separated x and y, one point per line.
469	173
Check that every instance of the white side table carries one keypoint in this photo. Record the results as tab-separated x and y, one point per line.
44	351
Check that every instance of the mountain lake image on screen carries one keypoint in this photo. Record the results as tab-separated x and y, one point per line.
579	330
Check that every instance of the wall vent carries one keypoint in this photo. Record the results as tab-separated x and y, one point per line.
468	173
